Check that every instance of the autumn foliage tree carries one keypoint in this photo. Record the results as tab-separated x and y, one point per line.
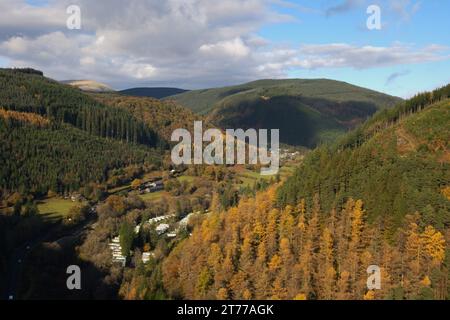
259	251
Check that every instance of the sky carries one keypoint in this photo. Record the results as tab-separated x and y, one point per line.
196	44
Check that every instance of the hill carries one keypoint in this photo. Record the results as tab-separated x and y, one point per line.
162	116
307	112
157	93
398	162
55	137
378	197
28	92
38	157
89	85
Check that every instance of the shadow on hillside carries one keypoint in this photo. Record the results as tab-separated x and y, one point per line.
45	275
35	252
302	121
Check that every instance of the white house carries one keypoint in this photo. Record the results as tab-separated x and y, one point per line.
162	228
116	249
160	218
146	256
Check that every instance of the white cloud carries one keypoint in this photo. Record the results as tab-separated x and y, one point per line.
234	48
45	49
191	42
138	70
18	18
339	55
87	61
186	43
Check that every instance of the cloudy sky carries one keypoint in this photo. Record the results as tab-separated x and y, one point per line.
205	43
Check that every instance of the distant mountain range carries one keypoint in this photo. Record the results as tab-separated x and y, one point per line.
89	85
157	93
307	112
149	92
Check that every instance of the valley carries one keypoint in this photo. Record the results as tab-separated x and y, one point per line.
364	179
224	159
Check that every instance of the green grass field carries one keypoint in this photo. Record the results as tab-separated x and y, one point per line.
189	179
55	207
152	196
248	178
254	175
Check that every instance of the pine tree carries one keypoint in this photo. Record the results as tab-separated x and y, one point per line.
326	273
355	245
413	259
433	244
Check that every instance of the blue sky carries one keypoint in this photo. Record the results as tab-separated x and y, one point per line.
428	25
201	43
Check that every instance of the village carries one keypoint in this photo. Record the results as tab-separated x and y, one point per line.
167	225
159	188
163	227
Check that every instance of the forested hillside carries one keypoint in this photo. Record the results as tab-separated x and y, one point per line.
57	138
59	157
257	251
381	196
307	112
398	162
31	92
163	116
203	101
157	93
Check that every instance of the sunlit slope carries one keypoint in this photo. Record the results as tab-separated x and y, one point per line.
398	162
